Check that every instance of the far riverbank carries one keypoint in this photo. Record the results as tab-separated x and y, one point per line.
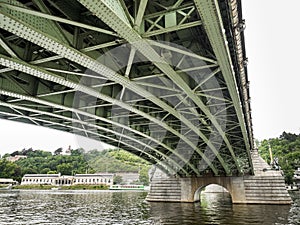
71	187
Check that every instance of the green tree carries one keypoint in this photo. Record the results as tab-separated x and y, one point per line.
144	176
65	168
287	149
9	170
58	151
118	179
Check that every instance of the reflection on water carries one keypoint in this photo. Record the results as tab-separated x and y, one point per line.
216	208
106	207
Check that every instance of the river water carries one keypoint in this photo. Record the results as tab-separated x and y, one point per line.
120	208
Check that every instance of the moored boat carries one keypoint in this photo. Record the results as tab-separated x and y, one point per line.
126	187
6	188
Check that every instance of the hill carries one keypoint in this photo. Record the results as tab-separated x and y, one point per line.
42	162
286	148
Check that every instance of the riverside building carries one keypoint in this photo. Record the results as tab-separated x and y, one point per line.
94	179
31	179
59	180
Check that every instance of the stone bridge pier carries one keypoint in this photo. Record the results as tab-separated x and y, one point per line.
265	187
188	189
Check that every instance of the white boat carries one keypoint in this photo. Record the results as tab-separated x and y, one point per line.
126	187
55	188
6	188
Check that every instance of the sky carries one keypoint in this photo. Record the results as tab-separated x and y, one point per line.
272	41
272	46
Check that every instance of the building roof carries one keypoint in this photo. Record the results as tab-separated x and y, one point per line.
94	175
6	180
42	175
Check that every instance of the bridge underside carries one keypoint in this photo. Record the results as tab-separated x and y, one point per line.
165	80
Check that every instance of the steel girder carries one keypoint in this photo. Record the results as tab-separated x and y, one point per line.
110	17
61	62
213	24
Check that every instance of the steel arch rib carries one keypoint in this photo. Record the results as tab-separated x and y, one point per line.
47	103
80	122
73	55
76	128
213	24
105	13
33	70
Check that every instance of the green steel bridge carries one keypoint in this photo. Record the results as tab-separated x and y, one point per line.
163	79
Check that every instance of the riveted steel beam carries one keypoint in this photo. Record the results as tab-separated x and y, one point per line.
140	14
7	48
24	67
57	19
31	34
212	100
37	120
170	29
72	120
213	24
128	33
95	117
42	24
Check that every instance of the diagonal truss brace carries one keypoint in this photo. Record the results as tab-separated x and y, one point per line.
73	55
129	34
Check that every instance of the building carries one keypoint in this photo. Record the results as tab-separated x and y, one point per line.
31	179
94	179
59	180
67	151
16	158
64	180
7	181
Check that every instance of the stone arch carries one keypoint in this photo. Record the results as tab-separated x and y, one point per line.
234	185
199	183
197	193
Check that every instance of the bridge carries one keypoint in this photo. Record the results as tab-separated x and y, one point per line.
163	79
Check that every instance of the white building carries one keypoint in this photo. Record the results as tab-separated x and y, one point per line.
30	179
7	181
58	179
94	179
64	180
16	158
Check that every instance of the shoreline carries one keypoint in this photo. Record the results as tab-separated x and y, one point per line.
54	188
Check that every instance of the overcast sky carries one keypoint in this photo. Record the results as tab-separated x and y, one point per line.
272	44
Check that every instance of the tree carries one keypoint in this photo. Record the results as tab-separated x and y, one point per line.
58	151
9	170
287	149
45	171
144	176
65	168
77	152
6	155
118	179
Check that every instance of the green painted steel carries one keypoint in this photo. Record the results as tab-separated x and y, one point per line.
164	80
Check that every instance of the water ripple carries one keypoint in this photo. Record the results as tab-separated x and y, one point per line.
129	208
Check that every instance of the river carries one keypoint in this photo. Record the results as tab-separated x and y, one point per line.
120	208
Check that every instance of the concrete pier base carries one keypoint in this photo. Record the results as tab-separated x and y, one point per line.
265	187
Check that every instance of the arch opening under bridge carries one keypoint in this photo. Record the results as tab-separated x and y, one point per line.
212	194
